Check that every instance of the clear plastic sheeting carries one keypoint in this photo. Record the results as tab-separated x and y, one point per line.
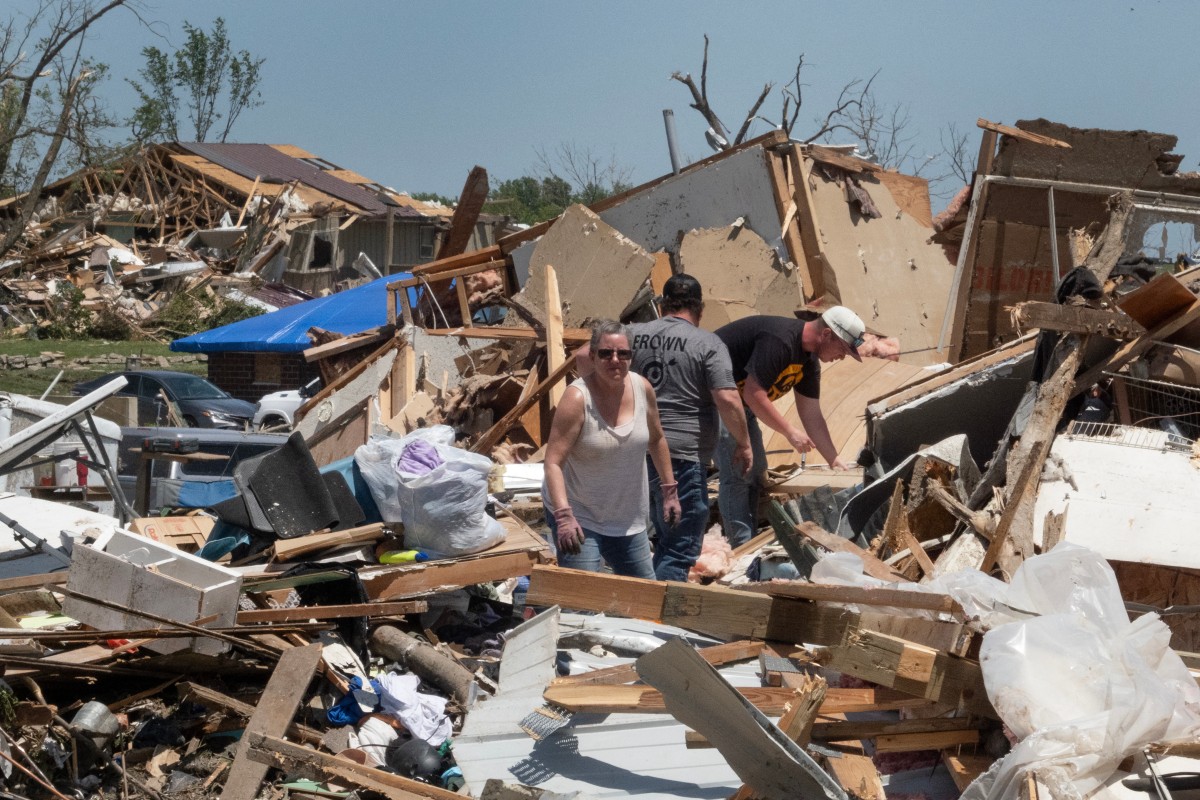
1078	684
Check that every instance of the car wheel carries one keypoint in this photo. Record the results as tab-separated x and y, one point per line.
273	423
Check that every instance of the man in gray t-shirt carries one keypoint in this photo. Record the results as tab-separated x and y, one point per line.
692	377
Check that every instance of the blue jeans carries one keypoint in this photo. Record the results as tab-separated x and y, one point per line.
738	494
678	546
627	555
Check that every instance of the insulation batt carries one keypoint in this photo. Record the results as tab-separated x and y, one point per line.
715	559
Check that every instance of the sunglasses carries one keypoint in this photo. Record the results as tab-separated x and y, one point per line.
605	353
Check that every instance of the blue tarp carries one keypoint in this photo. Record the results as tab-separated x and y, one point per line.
286	330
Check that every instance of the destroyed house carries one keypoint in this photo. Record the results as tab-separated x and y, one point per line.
166	193
1042	193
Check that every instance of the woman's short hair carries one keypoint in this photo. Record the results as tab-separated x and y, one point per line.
608	327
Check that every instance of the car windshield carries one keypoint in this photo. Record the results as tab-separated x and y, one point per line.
191	387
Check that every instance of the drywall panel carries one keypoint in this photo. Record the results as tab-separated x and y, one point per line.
599	269
741	275
846	388
712	197
886	269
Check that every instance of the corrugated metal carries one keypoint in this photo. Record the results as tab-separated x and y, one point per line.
600	756
254	160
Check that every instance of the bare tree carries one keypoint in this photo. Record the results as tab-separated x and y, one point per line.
46	96
592	176
956	153
883	131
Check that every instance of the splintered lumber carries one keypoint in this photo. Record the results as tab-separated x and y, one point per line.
211	697
1025	136
1138	346
912	668
716	655
721	612
836	544
347	343
481	256
493	436
858	775
280	700
271	751
766	760
1076	319
466	213
288	549
425	661
638	699
797	719
870	729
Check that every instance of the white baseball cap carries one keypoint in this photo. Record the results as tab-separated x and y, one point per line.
847	326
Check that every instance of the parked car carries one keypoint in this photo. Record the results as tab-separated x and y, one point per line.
166	477
276	411
200	404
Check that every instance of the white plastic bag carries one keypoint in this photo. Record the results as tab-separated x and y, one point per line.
442	510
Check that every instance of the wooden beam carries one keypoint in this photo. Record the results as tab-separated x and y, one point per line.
913	668
964	769
466	213
895	598
555	355
572	335
1024	136
869	729
412	580
289	549
282	697
395	609
638	699
480	256
1076	319
347	343
636	598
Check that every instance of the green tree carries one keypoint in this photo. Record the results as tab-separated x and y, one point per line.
205	80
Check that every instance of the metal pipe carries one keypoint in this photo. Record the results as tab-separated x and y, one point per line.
669	122
53	383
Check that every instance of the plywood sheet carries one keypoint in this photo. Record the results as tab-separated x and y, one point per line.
887	271
599	268
741	275
846	388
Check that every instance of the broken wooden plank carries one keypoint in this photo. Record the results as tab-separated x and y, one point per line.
466	214
637	598
965	768
288	549
836	544
914	742
870	729
395	609
858	775
1138	346
761	755
555	354
1076	319
1024	136
271	751
572	335
639	699
281	698
347	343
491	253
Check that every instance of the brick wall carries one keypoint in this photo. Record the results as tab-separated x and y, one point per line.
249	376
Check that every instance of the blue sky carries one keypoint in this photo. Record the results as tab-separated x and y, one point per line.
414	94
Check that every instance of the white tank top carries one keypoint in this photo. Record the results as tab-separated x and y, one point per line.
605	470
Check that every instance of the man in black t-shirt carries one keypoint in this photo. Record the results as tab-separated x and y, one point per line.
772	356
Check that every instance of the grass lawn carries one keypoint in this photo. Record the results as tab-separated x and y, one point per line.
34	381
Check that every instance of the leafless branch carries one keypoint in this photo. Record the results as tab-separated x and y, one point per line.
752	114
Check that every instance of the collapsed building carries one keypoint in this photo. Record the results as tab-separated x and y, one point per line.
996	602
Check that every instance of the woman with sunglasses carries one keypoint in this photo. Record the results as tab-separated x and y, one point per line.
595	488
